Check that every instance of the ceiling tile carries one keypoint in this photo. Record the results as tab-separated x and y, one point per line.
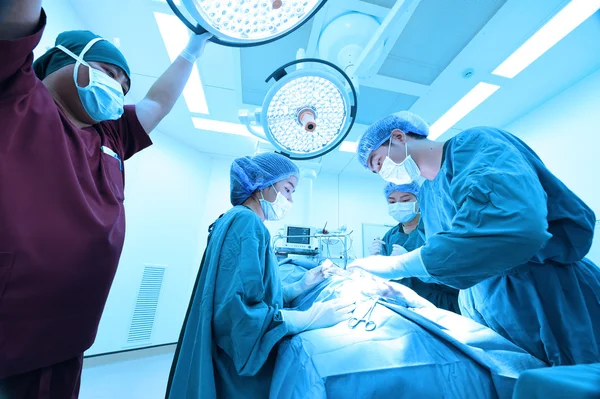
436	33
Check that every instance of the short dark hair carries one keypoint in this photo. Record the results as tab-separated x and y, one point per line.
409	134
416	136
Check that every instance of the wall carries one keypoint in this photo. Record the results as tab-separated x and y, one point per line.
564	133
166	192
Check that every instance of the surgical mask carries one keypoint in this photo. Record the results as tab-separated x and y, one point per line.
103	97
277	209
403	212
399	173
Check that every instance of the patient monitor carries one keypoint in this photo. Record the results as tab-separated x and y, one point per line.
298	240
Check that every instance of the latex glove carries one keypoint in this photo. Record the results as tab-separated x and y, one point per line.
376	246
403	295
195	47
316	275
398	250
387	267
320	315
369	284
311	278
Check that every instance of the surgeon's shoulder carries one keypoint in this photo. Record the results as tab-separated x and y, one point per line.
478	137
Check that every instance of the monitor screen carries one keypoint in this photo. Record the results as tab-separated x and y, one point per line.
298	231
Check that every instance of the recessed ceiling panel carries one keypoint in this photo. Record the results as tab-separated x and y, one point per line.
436	33
374	104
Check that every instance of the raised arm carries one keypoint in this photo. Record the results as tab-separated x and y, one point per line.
168	87
19	18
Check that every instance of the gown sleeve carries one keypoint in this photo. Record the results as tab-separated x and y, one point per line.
501	212
246	322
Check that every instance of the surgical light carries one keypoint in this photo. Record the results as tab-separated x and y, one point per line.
242	23
307	112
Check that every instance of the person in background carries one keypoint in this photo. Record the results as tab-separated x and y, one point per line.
236	317
407	236
501	228
64	135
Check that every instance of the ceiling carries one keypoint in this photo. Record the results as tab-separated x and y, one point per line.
421	71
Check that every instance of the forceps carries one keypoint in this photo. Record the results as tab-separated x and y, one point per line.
369	324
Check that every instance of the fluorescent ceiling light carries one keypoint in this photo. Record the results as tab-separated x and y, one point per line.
468	103
223	127
557	28
348	146
175	36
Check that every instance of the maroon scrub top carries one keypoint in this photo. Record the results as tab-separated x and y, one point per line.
62	220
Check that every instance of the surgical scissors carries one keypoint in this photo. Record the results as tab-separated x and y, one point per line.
369	324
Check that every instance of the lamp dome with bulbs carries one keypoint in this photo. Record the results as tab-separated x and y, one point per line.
244	23
307	112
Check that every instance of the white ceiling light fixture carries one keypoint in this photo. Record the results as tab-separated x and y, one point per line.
242	23
349	146
222	127
468	103
175	36
569	18
307	112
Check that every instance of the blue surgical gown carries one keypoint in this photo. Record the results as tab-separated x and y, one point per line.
508	233
441	296
226	348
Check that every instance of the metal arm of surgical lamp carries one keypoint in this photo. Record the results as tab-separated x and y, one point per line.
252	122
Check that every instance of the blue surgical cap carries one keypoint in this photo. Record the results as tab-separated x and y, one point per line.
249	174
381	131
76	40
412	188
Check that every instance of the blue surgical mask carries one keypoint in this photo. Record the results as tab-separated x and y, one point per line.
103	97
277	209
403	212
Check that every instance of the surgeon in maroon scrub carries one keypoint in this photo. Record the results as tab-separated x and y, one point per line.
64	134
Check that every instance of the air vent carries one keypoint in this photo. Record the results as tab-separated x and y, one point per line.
142	321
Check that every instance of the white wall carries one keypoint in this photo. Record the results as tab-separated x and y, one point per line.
565	134
166	192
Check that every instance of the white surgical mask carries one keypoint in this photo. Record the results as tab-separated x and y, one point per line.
277	209
103	97
403	212
399	173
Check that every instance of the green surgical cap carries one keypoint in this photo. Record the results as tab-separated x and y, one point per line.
76	40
